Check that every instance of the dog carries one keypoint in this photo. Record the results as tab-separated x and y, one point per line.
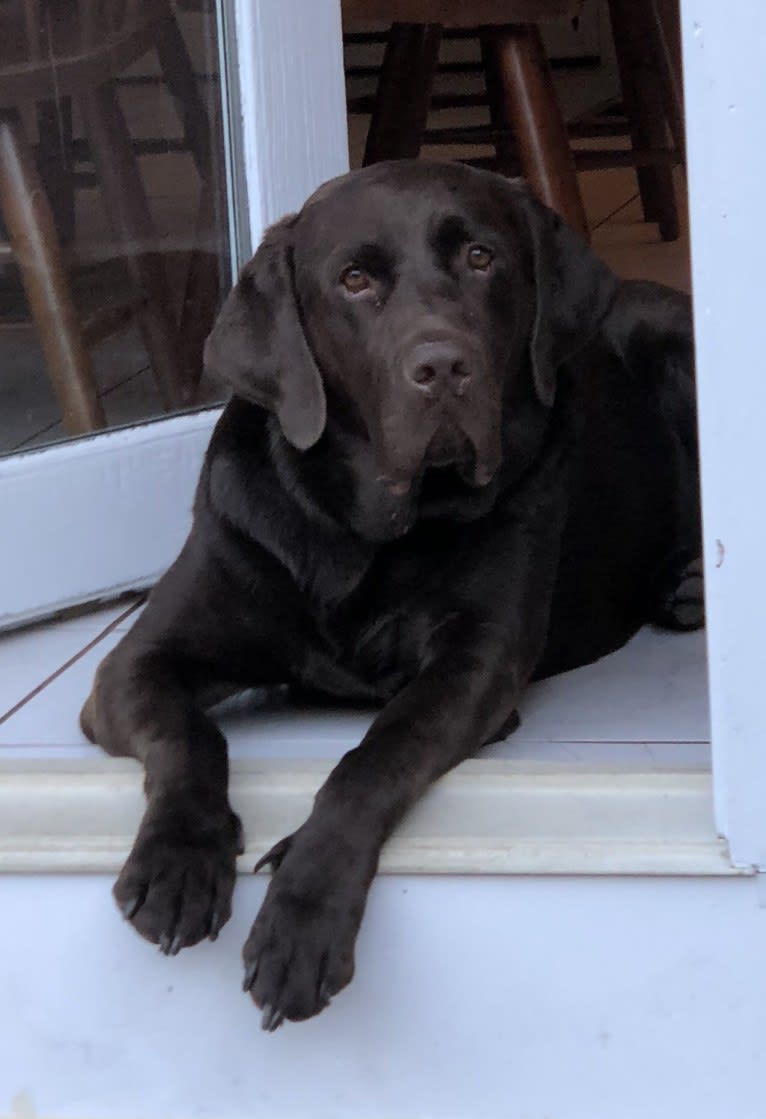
460	454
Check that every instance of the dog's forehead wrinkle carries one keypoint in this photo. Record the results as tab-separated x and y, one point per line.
373	255
415	189
447	230
367	207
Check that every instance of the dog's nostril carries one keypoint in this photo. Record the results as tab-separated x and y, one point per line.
424	374
461	378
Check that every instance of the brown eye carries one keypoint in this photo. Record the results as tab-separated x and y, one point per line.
355	280
480	257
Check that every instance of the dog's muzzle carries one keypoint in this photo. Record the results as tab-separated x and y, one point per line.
439	406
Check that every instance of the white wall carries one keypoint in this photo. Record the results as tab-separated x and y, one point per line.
482	998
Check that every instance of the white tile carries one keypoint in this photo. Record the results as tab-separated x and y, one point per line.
652	690
50	719
290	733
29	656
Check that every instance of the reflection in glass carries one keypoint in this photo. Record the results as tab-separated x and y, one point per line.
113	223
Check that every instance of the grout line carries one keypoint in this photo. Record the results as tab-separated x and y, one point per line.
57	423
35	435
126	380
614	213
68	663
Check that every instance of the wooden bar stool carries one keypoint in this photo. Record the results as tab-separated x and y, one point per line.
647	43
519	85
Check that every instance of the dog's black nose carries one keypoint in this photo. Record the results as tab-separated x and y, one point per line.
438	366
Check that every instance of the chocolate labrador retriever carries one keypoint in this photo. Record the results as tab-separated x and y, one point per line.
459	454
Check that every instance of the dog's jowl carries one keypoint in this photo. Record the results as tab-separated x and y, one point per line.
459	454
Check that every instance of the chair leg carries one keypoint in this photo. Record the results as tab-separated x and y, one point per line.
664	23
128	212
177	69
28	219
522	98
55	163
645	110
403	96
668	14
202	290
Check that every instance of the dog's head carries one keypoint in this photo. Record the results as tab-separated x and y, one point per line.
419	299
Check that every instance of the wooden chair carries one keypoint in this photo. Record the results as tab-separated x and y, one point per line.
526	126
56	51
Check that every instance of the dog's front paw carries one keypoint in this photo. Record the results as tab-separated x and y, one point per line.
177	884
300	951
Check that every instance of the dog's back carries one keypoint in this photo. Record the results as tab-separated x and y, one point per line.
630	554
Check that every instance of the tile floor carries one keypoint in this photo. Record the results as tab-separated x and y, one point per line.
646	704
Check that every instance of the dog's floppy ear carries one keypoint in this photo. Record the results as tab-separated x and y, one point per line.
574	291
258	347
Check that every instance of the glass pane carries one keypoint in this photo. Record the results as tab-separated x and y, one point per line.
114	222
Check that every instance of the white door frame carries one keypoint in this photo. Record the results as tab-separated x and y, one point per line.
725	93
88	519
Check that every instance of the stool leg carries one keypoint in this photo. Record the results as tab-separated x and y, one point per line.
522	98
31	230
128	212
403	96
645	111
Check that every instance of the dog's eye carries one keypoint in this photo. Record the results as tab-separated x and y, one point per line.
480	257
355	280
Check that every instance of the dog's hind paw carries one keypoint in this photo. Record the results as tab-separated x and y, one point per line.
683	606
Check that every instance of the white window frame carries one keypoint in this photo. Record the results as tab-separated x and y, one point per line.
89	519
724	78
